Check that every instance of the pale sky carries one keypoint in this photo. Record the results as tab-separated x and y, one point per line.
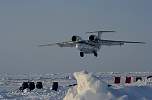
24	24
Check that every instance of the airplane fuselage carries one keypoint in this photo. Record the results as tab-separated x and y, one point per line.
88	47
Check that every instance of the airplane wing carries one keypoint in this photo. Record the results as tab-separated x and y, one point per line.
111	42
61	44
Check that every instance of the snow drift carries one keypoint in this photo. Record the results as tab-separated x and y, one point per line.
91	88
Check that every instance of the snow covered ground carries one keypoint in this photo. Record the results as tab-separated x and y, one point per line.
91	86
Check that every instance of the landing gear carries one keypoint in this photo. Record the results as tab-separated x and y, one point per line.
81	54
95	53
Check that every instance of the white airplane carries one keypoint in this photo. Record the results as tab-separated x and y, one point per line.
92	45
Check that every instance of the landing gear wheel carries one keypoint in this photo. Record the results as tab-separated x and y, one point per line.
95	54
81	54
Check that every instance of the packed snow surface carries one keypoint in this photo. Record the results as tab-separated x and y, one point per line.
89	87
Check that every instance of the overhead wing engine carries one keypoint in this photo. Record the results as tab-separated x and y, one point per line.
93	37
76	38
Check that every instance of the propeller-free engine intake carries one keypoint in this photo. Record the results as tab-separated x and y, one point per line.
76	38
93	37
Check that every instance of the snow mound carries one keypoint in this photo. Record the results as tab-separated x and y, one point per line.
88	88
91	88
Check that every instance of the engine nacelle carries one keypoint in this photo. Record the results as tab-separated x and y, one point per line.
76	38
92	37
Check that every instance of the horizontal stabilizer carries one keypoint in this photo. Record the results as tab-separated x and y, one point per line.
99	32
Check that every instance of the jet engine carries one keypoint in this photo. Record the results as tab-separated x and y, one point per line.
92	37
76	38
